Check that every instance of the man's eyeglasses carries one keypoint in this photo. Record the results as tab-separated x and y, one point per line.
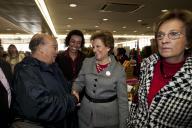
171	35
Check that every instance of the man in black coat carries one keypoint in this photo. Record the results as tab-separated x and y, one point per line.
40	95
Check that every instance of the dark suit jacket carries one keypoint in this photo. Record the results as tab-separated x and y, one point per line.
4	109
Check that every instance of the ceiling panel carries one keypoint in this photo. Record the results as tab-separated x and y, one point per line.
9	28
24	14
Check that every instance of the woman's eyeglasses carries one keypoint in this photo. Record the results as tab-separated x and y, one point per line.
171	35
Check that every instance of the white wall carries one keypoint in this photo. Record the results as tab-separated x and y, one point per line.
22	41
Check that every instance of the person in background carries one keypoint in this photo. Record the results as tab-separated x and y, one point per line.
5	93
13	56
41	97
105	104
1	52
121	55
70	62
153	46
165	92
146	51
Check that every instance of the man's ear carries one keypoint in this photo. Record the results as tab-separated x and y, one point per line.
41	48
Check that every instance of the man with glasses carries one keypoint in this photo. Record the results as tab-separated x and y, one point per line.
165	92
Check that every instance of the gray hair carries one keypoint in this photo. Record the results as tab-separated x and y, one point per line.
36	40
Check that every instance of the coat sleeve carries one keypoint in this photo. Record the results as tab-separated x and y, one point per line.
36	102
122	99
78	83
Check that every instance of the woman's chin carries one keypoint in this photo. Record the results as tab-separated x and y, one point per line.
98	59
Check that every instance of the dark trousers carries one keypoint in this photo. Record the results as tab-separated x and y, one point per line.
72	119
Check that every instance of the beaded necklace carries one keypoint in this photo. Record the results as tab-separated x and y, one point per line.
101	67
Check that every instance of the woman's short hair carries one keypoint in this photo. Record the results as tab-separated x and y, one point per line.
184	16
106	37
74	32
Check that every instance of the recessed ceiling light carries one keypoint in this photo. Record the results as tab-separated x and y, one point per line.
72	5
96	26
148	27
8	29
105	19
114	31
68	26
164	10
139	21
69	18
135	31
124	27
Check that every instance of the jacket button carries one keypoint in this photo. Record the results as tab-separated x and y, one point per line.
94	85
93	91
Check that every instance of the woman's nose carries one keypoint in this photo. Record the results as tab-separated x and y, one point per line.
165	39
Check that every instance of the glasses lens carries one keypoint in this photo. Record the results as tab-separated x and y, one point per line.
160	36
174	35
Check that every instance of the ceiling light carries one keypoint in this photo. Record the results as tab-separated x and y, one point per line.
104	19
114	31
139	21
124	27
42	7
164	10
68	26
148	27
73	5
96	26
69	18
135	31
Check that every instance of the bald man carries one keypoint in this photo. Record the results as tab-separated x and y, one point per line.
41	99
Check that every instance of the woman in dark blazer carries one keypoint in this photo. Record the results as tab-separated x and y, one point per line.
5	77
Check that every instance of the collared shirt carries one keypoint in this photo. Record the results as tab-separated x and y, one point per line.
5	83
